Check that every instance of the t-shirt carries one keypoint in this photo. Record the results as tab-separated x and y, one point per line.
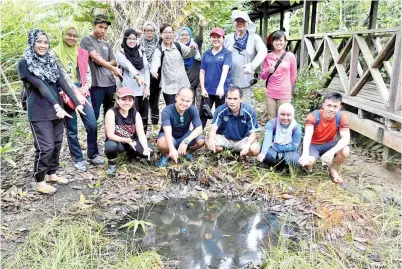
235	127
180	124
326	130
125	126
213	65
101	76
38	107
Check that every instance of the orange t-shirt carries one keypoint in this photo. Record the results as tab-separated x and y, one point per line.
326	130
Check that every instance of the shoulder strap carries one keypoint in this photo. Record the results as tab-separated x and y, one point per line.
317	118
338	120
276	66
177	44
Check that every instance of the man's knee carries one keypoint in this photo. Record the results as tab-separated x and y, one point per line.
345	152
254	149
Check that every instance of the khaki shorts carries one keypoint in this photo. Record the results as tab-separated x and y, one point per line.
234	145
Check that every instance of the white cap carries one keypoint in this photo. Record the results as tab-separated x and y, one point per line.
240	14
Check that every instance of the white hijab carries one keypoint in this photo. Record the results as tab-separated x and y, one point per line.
283	134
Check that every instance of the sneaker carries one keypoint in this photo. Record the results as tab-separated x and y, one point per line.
162	162
111	170
189	157
80	166
98	160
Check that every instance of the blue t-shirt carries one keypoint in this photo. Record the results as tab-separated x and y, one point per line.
180	124
235	127
213	65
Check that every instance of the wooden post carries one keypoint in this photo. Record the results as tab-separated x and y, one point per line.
373	14
306	23
354	60
281	21
395	84
313	17
261	27
265	31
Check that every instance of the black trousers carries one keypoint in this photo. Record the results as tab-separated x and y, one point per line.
142	106
113	149
213	99
48	137
169	98
154	94
102	95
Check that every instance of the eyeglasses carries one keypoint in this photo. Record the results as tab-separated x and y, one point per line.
149	31
184	34
72	36
167	33
132	39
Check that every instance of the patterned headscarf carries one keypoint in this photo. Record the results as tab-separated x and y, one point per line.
43	67
65	53
149	46
284	134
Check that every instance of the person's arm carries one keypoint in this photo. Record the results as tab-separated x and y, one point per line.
42	88
293	69
200	34
204	92
147	76
216	122
66	88
265	69
156	62
261	52
187	52
308	135
126	64
110	128
268	135
140	132
296	139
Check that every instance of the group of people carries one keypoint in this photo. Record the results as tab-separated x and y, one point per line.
74	79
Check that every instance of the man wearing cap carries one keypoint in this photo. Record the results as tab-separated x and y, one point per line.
214	72
248	52
103	65
175	137
234	126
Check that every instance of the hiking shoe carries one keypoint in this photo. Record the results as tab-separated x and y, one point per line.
80	166
189	157
98	160
162	162
111	170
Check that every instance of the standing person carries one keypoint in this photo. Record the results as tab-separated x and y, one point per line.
102	64
135	72
124	130
42	78
234	126
148	44
175	138
73	64
192	64
248	52
214	73
280	73
169	56
327	135
282	138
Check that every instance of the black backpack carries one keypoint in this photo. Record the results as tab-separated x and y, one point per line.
24	96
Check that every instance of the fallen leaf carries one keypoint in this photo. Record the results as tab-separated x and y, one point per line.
360	246
203	195
286	196
360	239
208	236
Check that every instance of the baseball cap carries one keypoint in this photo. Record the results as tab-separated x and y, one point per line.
102	18
218	31
125	91
240	14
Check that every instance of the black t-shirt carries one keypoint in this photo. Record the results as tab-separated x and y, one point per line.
39	107
125	127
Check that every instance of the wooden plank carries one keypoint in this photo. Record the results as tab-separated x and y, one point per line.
386	52
354	59
313	17
325	57
387	64
340	67
345	51
396	73
371	129
306	23
373	14
372	32
375	73
319	50
311	52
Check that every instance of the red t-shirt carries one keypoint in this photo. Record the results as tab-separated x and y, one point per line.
326	130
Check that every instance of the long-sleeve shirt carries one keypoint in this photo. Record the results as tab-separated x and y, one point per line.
281	81
173	72
269	139
129	71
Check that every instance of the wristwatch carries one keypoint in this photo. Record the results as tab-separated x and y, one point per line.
186	141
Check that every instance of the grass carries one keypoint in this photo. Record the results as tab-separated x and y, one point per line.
66	243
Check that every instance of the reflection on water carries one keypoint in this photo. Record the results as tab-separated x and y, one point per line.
212	234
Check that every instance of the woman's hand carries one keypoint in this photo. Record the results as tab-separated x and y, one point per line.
61	113
80	109
204	93
155	74
260	157
139	80
220	91
81	98
147	152
202	21
84	90
146	92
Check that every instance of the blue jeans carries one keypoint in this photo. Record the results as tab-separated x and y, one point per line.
177	141
72	132
291	158
102	95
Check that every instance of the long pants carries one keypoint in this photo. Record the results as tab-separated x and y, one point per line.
142	106
102	95
154	94
48	137
289	158
113	149
90	124
213	99
169	98
273	105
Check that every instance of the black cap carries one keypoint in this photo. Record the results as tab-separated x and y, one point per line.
102	18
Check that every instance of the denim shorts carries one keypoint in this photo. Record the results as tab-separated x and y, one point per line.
177	141
317	150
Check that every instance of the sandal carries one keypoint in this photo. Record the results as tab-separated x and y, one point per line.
57	179
45	188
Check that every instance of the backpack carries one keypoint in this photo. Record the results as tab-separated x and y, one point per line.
24	95
318	119
177	44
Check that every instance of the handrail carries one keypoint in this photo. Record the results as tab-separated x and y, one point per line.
367	32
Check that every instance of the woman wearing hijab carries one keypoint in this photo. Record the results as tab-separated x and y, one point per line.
282	138
73	64
42	78
148	44
135	72
192	64
171	64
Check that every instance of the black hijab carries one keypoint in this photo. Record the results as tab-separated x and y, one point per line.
132	54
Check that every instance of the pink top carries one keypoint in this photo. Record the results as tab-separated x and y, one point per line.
281	82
